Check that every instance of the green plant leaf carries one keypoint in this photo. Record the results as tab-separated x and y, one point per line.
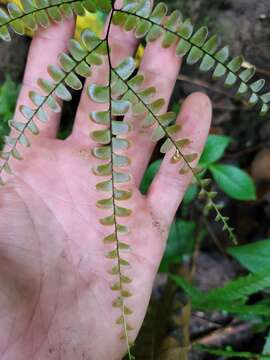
235	182
230	353
232	296
214	149
8	96
180	242
149	176
266	349
190	194
254	256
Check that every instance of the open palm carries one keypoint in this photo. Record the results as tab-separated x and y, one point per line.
56	301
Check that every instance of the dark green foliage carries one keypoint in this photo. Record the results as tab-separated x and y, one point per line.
233	296
234	181
214	149
230	353
8	97
180	243
254	256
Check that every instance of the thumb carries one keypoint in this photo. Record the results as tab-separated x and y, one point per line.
168	188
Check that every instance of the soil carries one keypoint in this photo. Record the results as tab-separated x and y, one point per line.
12	57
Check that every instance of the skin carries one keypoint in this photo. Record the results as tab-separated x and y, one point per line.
56	301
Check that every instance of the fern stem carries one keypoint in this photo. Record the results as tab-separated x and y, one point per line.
194	45
37	10
125	328
198	180
9	153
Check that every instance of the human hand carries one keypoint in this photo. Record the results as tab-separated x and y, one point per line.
56	301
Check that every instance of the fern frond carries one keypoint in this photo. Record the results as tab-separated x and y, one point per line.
194	45
40	13
241	288
82	55
163	125
232	296
109	150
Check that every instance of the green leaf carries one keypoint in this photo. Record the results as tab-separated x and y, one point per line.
194	55
159	13
211	45
254	256
126	68
73	81
56	73
78	8
214	149
42	18
4	17
8	97
66	62
235	64
230	353
142	29
149	176
207	63
190	194
62	92
4	33
100	117
183	47
230	79
101	136
154	33
241	288
76	50
89	5
235	182
120	107
180	242
130	23
98	93
186	29
120	144
247	74
144	9
257	85
220	71
223	54
102	152
200	36
89	39
104	5
232	296
55	14
266	349
120	127
83	69
120	177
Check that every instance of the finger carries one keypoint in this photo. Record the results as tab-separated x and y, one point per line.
160	68
122	44
168	187
44	49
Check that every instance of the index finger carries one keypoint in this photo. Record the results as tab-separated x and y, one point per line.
44	49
